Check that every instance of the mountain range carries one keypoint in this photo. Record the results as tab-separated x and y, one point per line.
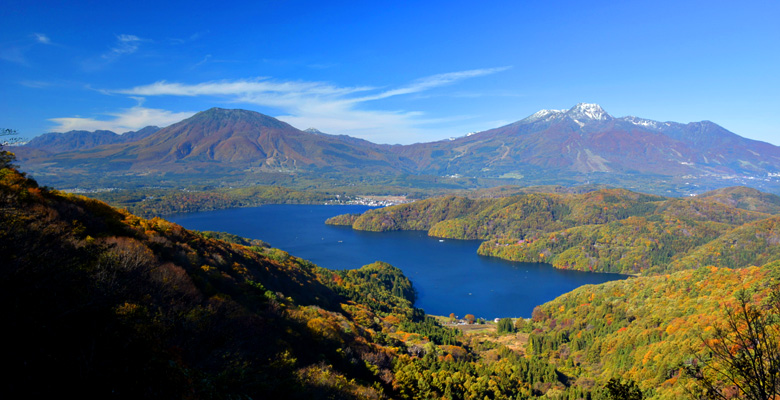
586	139
55	142
582	144
104	303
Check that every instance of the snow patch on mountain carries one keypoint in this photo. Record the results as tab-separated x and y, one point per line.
588	111
543	115
647	123
579	113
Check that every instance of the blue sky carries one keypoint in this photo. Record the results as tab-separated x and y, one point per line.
389	72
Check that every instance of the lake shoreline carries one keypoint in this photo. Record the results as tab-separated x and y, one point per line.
449	276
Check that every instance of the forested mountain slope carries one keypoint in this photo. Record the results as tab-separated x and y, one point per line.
587	140
745	198
102	303
105	304
651	329
55	142
609	230
210	141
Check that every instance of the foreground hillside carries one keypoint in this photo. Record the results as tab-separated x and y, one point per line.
649	329
609	230
106	304
102	303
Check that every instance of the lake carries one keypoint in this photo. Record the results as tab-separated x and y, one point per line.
448	274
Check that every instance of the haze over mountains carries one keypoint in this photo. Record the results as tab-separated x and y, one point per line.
582	144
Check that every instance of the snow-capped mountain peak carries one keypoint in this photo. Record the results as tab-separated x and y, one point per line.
543	115
588	111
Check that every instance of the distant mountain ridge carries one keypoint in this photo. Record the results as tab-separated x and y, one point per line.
229	139
586	139
61	142
582	144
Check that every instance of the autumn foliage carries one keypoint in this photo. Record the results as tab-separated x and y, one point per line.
609	230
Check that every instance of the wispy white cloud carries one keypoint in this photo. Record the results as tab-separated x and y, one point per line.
14	55
125	44
209	59
42	38
241	88
130	119
201	62
195	36
328	107
16	52
434	81
471	94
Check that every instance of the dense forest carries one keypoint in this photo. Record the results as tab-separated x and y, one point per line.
648	330
651	331
608	230
104	303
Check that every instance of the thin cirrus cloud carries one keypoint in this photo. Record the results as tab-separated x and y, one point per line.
434	81
13	54
123	45
328	107
16	52
42	38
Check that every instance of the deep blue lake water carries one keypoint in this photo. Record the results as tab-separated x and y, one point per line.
448	275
